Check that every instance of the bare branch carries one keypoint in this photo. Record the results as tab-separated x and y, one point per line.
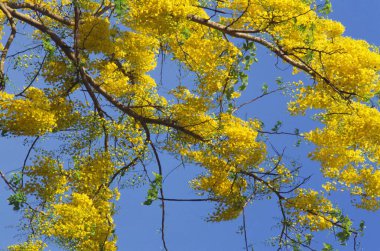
27	157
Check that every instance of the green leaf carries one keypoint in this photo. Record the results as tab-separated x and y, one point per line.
327	8
327	247
279	81
277	126
230	108
249	46
16	180
361	226
243	87
155	185
345	234
264	88
120	7
343	237
308	238
186	33
243	78
48	46
309	56
298	143
17	200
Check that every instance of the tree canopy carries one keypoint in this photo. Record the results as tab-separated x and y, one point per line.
83	94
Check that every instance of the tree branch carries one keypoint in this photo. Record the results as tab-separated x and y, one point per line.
40	9
289	58
7	45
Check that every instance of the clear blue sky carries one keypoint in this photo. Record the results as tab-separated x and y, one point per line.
138	226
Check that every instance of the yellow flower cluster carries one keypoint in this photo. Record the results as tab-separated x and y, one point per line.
36	114
55	70
94	35
90	6
349	141
264	15
119	84
29	116
284	173
91	173
114	81
47	179
84	224
138	50
119	50
350	65
28	246
123	73
192	113
77	202
240	145
311	210
204	52
83	218
64	112
342	66
132	139
159	16
233	149
209	55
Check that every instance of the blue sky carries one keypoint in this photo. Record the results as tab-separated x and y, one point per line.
138	226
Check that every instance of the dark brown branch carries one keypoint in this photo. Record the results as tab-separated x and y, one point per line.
27	157
266	183
284	228
158	161
259	97
7	45
162	196
22	51
280	133
40	26
245	231
304	180
122	170
41	10
187	200
101	11
208	8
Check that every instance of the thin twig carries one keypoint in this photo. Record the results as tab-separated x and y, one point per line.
259	97
34	77
245	231
26	159
187	200
7	45
162	196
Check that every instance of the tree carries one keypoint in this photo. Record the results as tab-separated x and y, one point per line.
87	87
